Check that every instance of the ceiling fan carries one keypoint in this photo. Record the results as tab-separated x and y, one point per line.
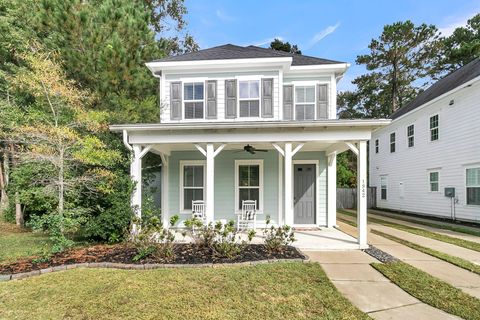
251	149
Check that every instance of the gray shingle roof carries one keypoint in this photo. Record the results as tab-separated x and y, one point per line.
230	51
450	82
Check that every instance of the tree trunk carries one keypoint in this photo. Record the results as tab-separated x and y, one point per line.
19	219
3	184
61	186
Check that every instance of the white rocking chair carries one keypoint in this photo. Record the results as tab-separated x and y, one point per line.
198	210
248	216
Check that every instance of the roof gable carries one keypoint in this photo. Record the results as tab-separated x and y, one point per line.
451	81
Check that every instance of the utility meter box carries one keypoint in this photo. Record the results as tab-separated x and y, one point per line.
450	192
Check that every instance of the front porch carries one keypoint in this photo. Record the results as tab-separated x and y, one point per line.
291	173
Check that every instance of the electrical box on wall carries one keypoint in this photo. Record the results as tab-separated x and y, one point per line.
450	192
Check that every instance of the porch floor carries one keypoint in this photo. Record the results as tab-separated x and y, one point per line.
323	239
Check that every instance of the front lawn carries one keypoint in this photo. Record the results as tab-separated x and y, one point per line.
269	291
16	243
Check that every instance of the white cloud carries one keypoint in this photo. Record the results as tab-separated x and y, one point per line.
321	35
224	16
454	22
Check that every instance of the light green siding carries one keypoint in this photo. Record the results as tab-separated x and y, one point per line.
225	181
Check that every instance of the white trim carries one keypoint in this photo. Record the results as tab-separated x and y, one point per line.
304	84
437	170
465	167
258	162
203	101
249	79
280	188
317	191
182	165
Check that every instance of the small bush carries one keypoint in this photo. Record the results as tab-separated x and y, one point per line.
277	238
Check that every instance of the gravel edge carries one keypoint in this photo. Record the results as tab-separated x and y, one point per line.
380	255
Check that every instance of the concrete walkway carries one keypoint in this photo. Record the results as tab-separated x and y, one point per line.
451	249
391	217
369	290
462	279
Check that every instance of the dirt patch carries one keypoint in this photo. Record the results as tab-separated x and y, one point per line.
124	253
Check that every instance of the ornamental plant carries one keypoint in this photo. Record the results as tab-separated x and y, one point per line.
277	238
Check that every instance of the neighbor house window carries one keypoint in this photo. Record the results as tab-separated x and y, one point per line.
249	98
383	188
392	142
473	186
376	146
305	103
411	136
434	178
434	127
249	182
192	183
193	93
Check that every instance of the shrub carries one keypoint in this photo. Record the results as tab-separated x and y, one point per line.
277	238
153	240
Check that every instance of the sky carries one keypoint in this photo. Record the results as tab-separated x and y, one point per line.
334	29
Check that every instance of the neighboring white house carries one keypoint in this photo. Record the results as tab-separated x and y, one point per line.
249	123
427	160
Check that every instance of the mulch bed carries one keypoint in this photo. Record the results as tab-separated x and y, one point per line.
124	253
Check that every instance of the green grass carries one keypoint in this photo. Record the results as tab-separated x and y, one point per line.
270	291
459	262
422	232
16	243
449	227
431	290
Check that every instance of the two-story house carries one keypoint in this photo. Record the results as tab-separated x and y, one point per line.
249	123
427	161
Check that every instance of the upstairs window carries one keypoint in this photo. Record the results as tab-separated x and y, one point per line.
305	103
434	128
249	98
473	186
410	136
434	178
383	188
376	146
392	142
193	94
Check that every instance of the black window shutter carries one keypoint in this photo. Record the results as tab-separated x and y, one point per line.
267	98
230	99
175	100
322	101
288	102
211	109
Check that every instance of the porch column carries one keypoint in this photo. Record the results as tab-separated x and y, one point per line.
165	193
210	153
136	174
332	190
288	184
362	194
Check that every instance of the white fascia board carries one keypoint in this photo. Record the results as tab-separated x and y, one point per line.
333	123
283	62
446	94
338	68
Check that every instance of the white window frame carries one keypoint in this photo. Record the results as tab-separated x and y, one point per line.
385	178
302	85
474	166
411	136
430	181
241	79
186	163
437	127
394	142
193	81
239	163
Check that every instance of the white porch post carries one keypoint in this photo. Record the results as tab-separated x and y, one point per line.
210	184
136	174
165	193
362	194
332	190
210	153
288	184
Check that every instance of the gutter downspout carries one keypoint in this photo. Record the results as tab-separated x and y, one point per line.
125	141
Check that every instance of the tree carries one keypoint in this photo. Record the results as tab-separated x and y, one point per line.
104	45
280	45
403	54
59	136
461	47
